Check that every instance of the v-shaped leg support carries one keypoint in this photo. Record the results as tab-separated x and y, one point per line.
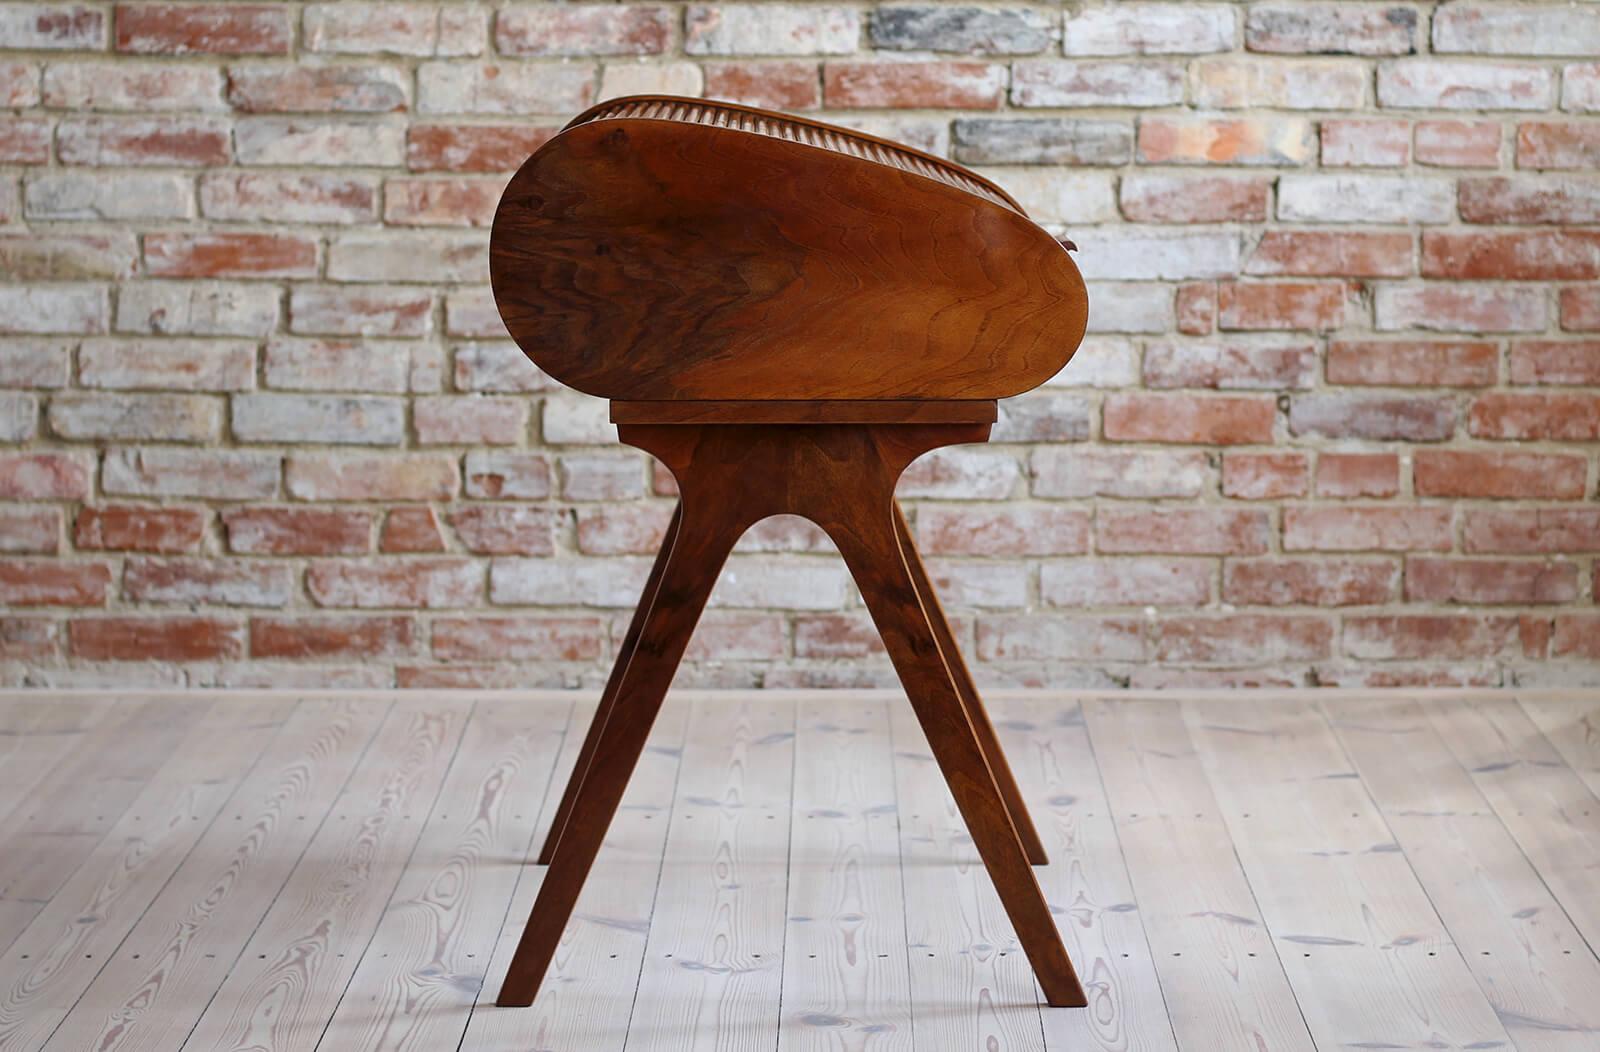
842	477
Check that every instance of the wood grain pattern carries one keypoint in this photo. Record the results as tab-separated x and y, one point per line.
664	258
1221	978
1530	961
35	734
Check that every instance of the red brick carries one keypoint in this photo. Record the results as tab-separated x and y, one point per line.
1530	199
230	255
583	29
1528	531
341	638
623	529
1242	639
1379	417
411	530
140	528
288	197
1458	144
47	582
441	202
836	636
213	29
1542	255
518	638
1494	475
1365	143
773	85
32	531
1181	531
1328	253
408	476
1358	474
1576	636
1552	145
1574	362
470	420
1309	582
1559	417
1264	476
1024	530
1276	141
45	476
1580	309
186	142
34	639
723	636
214	582
1197	308
472	147
318	89
1413	363
298	531
1490	581
1100	582
1158	198
1435	637
1355	529
504	529
1460	308
1036	637
156	639
419	582
1280	305
24	140
1210	420
1232	364
503	475
914	85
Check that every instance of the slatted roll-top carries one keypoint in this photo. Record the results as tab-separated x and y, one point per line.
667	249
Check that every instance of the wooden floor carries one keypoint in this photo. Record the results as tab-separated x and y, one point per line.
1286	871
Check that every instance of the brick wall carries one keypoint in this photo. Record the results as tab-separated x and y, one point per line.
1335	422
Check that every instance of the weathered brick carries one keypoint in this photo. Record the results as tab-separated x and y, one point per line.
622	529
1150	29
1489	581
1331	28
216	29
518	638
441	202
770	29
601	476
52	27
89	416
1196	308
31	531
1329	253
472	313
1160	198
1041	140
1580	87
1280	305
51	582
1309	582
1059	196
988	584
197	309
420	29
1181	531
413	530
337	365
789	86
1126	582
171	365
36	639
1242	639
1517	415
155	639
19	85
19	416
429	583
962	30
619	79
318	142
297	531
1018	530
469	420
371	310
1265	476
1556	362
504	529
1157	254
1235	365
497	367
1432	636
213	582
1365	143
67	257
961	474
1576	636
337	419
1525	255
1365	199
1213	420
24	141
34	363
60	195
1118	306
1459	308
139	528
914	85
1507	476
1501	29
1532	530
1377	528
323	638
102	142
1531	199
1043	416
1030	637
472	147
1580	309
1072	82
1378	417
1413	363
836	636
583	29
174	255
318	89
1358	474
122	86
43	309
503	87
1145	474
215	474
431	257
45	476
398	476
1458	144
1293	84
508	476
1439	84
1269	141
571	418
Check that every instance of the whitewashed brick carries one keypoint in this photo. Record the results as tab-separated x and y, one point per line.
602	476
963	30
785	583
1100	361
295	141
517	88
1057	82
337	365
614	582
396	28
1150	29
573	419
1279	83
1146	254
961	474
1365	199
347	420
655	78
299	197
60	195
84	416
19	416
52	26
1337	27
1505	29
1059	196
35	363
187	365
770	29
41	309
428	257
136	88
1425	83
1133	473
1116	306
176	308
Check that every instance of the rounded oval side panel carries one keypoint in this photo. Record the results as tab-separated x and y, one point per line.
647	259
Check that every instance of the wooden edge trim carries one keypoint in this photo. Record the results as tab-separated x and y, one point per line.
837	411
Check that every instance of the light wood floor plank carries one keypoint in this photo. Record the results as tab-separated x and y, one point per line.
587	998
1574	729
422	972
70	810
1546	807
845	981
713	966
1225	987
54	960
971	987
281	991
1511	932
35	734
1370	962
1087	885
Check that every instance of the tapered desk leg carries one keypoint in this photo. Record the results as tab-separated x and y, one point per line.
608	697
868	540
690	569
988	741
